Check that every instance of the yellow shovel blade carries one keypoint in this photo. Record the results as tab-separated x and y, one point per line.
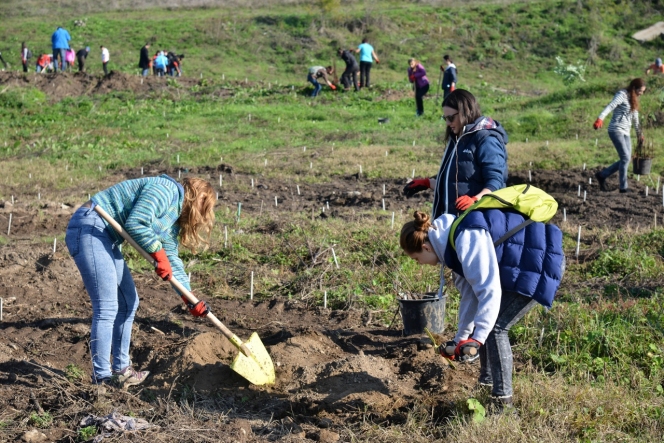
259	370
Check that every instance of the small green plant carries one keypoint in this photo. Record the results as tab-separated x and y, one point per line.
41	420
86	433
476	409
569	72
74	373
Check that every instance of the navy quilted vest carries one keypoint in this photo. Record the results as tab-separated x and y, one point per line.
531	261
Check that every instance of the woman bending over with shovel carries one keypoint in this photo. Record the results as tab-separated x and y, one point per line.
158	213
498	284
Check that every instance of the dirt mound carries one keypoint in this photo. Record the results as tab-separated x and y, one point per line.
62	85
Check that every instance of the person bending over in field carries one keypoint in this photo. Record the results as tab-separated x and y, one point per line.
316	73
625	107
497	285
159	214
474	162
417	75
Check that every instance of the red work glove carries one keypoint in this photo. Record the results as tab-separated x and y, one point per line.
333	87
200	309
464	202
598	123
415	186
468	351
452	88
448	349
163	268
411	78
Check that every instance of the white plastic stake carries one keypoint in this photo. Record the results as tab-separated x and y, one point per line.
217	196
578	242
9	226
251	287
547	142
657	187
252	182
392	219
360	169
0	308
526	139
179	173
55	242
530	177
383	188
383	204
223	76
220	181
265	162
413	174
584	195
595	142
141	170
304	149
30	175
12	199
564	214
646	191
178	158
335	258
324	301
385	153
584	166
311	165
225	237
590	180
39	196
327	205
638	177
298	189
579	193
275	201
413	142
189	277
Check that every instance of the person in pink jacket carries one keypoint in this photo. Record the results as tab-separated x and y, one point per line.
417	75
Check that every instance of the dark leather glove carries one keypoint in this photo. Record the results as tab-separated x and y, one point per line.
448	349
598	123
415	186
467	351
163	267
464	202
200	309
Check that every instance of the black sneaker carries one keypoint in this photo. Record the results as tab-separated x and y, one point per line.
626	191
502	406
602	181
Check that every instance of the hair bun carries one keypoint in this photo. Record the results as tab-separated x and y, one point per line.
421	221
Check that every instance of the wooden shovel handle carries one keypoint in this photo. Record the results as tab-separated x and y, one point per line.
173	281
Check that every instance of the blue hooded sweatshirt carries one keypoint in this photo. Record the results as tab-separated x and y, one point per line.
60	39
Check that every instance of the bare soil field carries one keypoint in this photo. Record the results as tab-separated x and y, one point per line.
334	367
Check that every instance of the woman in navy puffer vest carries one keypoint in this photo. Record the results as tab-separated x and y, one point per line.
475	159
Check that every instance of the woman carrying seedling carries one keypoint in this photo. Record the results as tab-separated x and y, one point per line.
625	107
498	284
418	76
158	213
474	162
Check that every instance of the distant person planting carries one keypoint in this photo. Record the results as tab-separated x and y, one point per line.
105	58
349	75
417	75
60	43
81	56
319	72
625	107
367	56
656	68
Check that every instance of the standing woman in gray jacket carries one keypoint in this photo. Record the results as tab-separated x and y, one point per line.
625	107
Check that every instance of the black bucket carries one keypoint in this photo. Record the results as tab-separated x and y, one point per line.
641	166
428	312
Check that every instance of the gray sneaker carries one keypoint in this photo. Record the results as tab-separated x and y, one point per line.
129	377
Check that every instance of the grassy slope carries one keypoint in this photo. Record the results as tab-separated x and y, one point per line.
602	350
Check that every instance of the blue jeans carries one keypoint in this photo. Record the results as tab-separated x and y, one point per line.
62	64
623	145
317	86
496	354
111	290
146	71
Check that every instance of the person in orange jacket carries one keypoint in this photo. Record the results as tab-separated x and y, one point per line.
656	68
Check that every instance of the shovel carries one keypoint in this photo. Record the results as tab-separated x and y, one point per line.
253	362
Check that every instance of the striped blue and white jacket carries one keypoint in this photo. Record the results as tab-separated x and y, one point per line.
148	208
623	116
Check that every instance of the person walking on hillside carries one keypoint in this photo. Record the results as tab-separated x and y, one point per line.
350	73
474	162
367	56
60	43
417	75
449	76
318	72
498	286
159	214
105	58
144	61
26	54
656	68
625	107
81	56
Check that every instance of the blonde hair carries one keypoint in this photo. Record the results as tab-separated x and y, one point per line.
415	233
197	216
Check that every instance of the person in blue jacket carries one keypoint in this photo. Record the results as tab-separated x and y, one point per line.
161	64
60	43
498	285
474	162
159	214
